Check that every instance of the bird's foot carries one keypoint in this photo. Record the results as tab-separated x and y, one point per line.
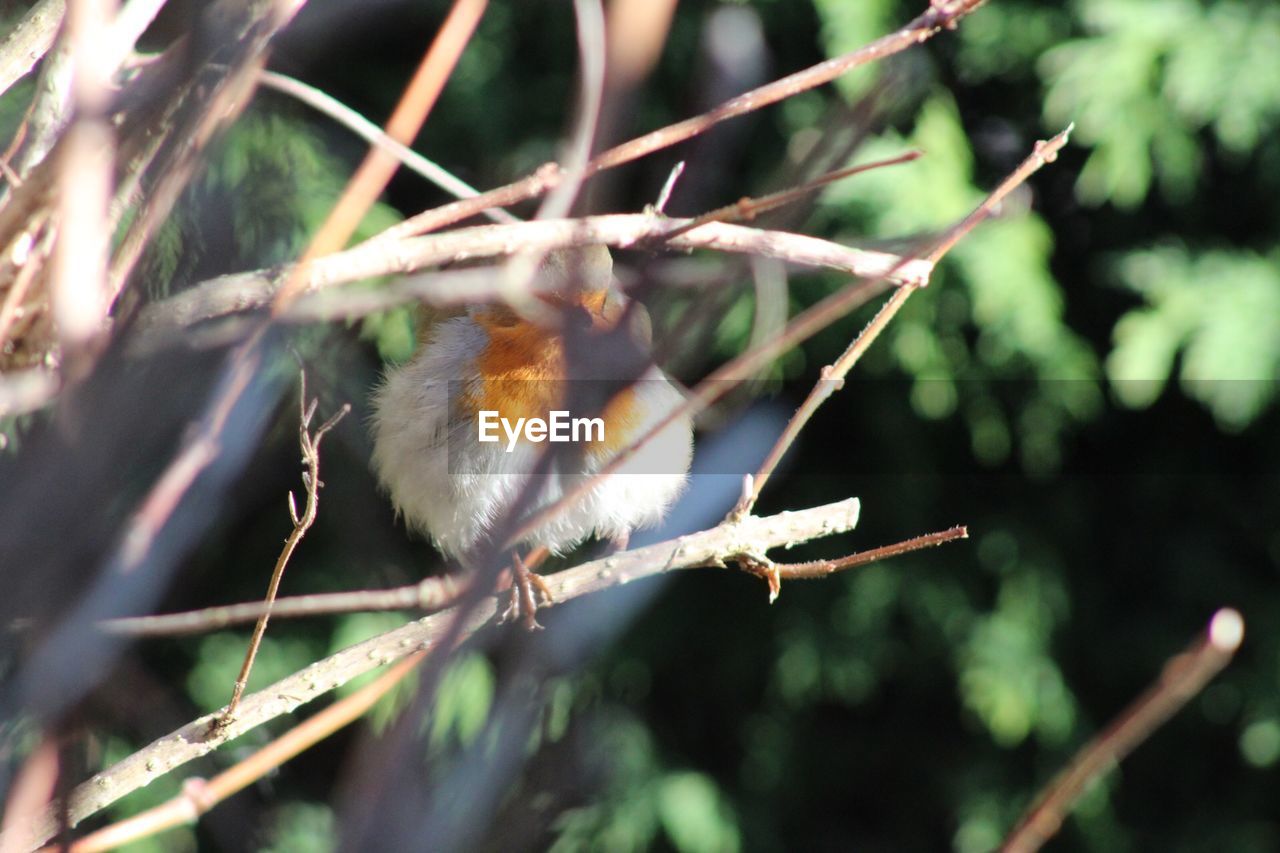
524	580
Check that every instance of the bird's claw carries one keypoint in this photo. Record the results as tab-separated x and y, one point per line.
524	603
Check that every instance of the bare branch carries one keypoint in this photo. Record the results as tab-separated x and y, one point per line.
48	111
941	14
589	15
775	573
428	596
85	166
246	291
374	135
1183	677
829	381
747	209
134	18
198	796
29	41
752	535
832	377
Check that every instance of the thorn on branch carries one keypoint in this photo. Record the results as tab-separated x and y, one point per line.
668	187
762	567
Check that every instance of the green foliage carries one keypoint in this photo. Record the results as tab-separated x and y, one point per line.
1010	296
269	184
302	828
219	658
1008	677
463	702
1151	74
1004	39
1216	309
645	803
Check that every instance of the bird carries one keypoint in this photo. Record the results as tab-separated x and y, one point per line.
585	355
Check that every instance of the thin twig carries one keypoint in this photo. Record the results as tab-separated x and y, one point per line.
832	377
1045	152
746	209
1182	678
310	444
775	573
668	187
374	135
427	596
198	795
830	381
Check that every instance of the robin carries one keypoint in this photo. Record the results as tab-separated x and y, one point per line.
460	431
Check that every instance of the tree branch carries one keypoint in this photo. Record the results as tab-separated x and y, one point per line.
713	547
832	377
374	135
1183	677
427	596
198	796
29	41
941	14
246	291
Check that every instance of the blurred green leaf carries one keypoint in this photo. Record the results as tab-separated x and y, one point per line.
462	701
221	655
1218	310
302	828
694	814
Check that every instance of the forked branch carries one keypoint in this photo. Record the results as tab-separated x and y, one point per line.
310	444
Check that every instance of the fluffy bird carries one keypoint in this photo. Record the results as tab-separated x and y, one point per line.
476	375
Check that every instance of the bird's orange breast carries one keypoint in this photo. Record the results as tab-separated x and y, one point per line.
522	374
